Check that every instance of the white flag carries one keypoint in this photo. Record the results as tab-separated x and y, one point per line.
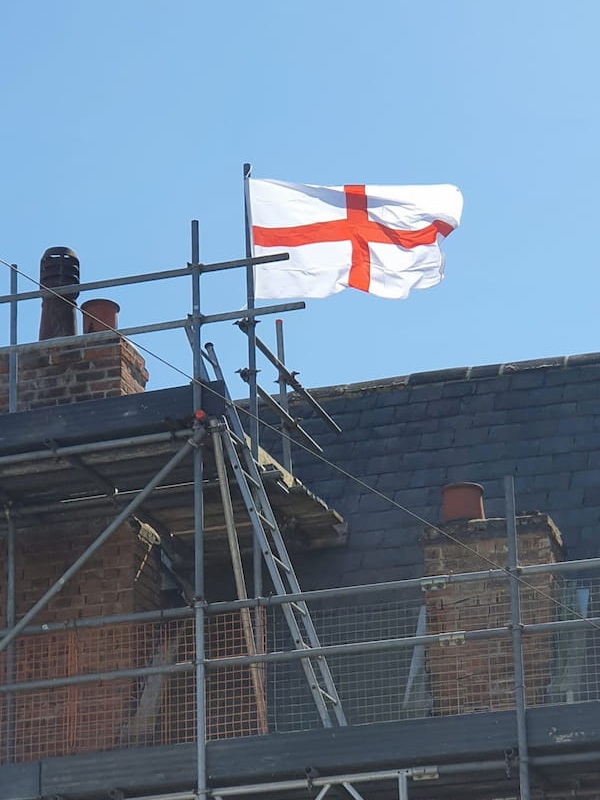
379	239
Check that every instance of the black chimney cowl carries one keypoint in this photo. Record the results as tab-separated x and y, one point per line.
59	266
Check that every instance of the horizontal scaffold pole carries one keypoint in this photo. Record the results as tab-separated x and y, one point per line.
127	280
450	639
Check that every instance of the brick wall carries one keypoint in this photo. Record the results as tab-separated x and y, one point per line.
479	676
129	712
74	372
123	576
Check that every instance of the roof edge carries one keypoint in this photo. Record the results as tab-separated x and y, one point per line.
460	374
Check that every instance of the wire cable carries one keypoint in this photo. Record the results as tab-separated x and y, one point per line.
358	481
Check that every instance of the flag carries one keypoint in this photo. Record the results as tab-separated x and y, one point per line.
379	239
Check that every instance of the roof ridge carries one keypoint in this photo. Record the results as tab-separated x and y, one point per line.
462	373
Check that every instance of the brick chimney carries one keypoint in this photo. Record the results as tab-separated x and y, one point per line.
67	370
70	373
478	675
123	577
73	369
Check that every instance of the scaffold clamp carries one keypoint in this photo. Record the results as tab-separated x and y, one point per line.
433	584
452	639
423	773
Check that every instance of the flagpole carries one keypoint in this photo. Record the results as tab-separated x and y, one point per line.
252	374
251	323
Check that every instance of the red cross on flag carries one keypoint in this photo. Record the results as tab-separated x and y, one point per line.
379	239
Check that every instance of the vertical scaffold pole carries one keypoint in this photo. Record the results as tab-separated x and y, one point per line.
10	621
199	599
252	374
517	636
13	356
402	785
286	445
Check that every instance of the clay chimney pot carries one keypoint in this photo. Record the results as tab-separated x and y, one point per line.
462	501
99	315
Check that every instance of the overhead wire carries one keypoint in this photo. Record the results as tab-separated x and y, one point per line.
354	478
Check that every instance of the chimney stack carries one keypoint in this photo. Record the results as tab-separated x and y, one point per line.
59	266
67	368
478	675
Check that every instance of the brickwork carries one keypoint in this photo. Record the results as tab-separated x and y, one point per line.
123	576
130	712
74	372
479	676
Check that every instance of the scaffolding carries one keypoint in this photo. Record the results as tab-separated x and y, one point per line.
276	659
216	443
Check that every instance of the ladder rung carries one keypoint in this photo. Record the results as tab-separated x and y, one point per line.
280	563
327	696
251	480
236	439
266	521
297	607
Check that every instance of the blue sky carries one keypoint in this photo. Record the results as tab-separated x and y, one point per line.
123	120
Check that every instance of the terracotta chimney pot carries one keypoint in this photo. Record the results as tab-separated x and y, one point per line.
462	501
99	315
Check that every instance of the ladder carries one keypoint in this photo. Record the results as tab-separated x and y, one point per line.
230	445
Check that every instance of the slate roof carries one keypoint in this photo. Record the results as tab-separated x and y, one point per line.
408	436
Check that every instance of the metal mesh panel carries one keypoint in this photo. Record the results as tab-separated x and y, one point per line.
372	686
471	676
55	722
235	697
440	678
564	667
479	676
131	712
